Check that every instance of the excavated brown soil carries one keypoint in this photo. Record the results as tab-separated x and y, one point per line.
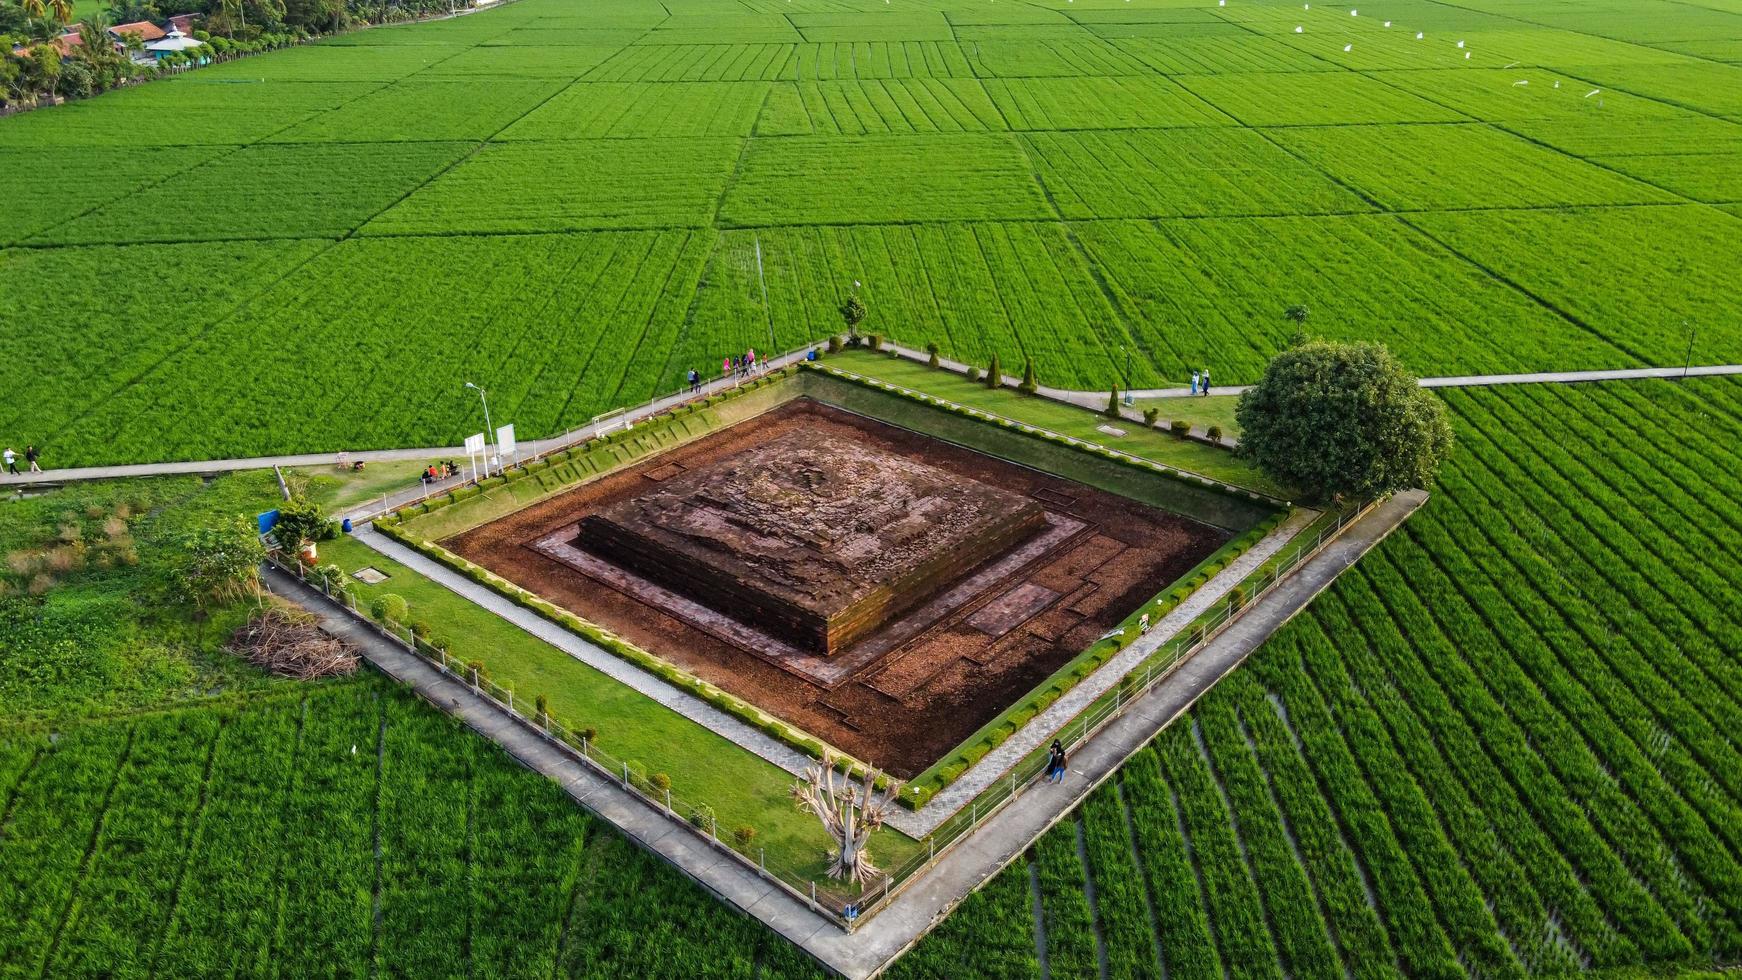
901	710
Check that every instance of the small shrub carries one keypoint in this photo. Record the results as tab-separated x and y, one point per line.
475	670
1112	410
1150	416
994	373
744	835
1029	385
834	345
875	341
932	350
637	775
659	781
420	629
702	817
973	374
1180	428
589	733
541	704
389	608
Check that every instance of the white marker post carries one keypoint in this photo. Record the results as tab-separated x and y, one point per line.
474	449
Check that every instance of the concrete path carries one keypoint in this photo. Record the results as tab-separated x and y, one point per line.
1087	399
412	492
927	899
614	667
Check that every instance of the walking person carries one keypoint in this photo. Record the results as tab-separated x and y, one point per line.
11	459
750	360
695	381
1056	768
30	455
725	367
1194	381
1206	385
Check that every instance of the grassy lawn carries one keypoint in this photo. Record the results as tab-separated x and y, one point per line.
1189	455
703	766
1206	411
340	490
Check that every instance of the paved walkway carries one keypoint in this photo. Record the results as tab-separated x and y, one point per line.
1003	836
612	666
412	492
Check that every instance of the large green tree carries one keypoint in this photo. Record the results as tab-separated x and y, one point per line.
1343	421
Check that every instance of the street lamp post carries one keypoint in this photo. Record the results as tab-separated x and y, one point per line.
1127	352
489	438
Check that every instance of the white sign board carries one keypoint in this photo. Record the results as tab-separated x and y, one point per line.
505	441
475	444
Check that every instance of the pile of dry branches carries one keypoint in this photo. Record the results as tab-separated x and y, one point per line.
291	644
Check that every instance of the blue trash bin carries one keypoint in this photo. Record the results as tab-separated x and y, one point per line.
345	525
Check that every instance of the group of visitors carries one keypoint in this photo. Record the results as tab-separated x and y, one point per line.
1201	382
11	458
740	365
437	472
735	366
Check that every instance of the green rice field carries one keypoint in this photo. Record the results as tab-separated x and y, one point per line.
573	204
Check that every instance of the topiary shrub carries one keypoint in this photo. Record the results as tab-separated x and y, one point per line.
389	608
973	374
932	350
702	817
1151	416
1029	385
834	345
659	781
1214	432
1180	428
994	373
876	341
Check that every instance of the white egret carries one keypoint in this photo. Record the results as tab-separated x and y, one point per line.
1347	48
1522	81
1460	44
1418	35
1592	92
1299	30
1388	23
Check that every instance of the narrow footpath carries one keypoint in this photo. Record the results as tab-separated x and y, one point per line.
1087	399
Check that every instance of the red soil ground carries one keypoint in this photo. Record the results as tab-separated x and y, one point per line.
904	709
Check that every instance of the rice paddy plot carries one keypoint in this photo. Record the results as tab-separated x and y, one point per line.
693	63
1714	178
1634	276
1703	87
1460	165
60	291
878	105
569	185
1313	98
889	26
335	63
1178	173
841	60
39	180
1212	291
882	178
1050	57
1124	102
722	29
268	191
597	110
1518	93
402	323
1018	289
525	61
1218	54
424	109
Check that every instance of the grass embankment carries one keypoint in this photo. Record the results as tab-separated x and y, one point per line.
703	766
1070	420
